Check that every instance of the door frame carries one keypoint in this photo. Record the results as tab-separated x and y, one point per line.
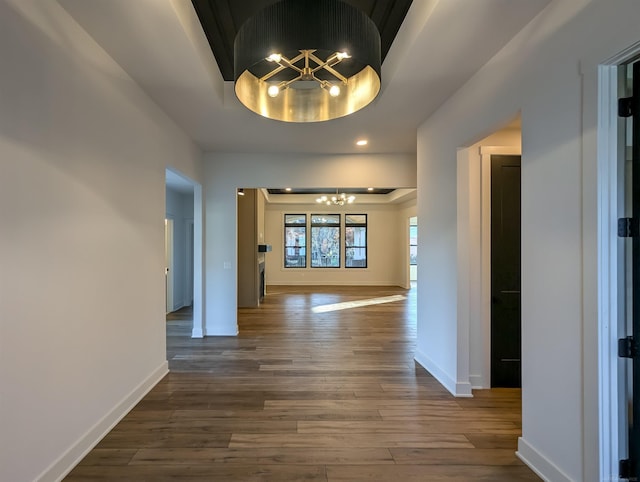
189	256
475	223
612	427
169	270
485	246
474	264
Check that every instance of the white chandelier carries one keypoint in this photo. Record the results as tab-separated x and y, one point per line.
337	200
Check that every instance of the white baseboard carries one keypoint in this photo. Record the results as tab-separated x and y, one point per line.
477	382
231	332
543	467
197	332
457	389
464	390
67	461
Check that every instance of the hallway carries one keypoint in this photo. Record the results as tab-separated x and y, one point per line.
320	385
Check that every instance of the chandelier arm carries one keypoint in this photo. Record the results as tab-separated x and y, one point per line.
287	63
284	63
321	63
336	74
286	83
278	69
323	83
325	65
333	59
307	53
298	57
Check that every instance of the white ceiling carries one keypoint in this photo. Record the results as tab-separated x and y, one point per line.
440	45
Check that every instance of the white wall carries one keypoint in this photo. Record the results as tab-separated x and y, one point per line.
180	209
225	172
386	250
547	72
83	154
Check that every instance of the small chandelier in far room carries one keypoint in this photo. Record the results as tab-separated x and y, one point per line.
337	200
307	61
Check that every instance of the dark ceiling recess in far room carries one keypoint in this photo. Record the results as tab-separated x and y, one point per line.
361	190
221	20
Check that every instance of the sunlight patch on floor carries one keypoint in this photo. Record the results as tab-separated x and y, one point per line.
357	304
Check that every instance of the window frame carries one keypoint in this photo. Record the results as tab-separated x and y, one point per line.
337	225
306	238
411	263
364	225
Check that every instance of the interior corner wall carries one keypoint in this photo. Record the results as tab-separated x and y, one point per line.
83	153
541	74
225	172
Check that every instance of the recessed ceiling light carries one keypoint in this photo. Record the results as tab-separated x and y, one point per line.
288	189
362	142
369	189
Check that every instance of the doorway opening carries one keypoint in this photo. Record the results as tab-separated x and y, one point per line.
183	243
474	252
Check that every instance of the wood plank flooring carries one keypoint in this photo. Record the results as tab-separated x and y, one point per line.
314	396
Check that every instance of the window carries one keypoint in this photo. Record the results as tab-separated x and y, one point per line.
295	240
325	240
413	243
355	240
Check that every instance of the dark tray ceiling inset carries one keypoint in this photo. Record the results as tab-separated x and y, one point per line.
221	20
330	191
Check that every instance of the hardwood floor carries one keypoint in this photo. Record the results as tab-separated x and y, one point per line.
313	396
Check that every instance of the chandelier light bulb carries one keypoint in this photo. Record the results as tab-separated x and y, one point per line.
334	91
342	55
273	91
274	58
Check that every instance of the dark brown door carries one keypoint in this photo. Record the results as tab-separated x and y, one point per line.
505	272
